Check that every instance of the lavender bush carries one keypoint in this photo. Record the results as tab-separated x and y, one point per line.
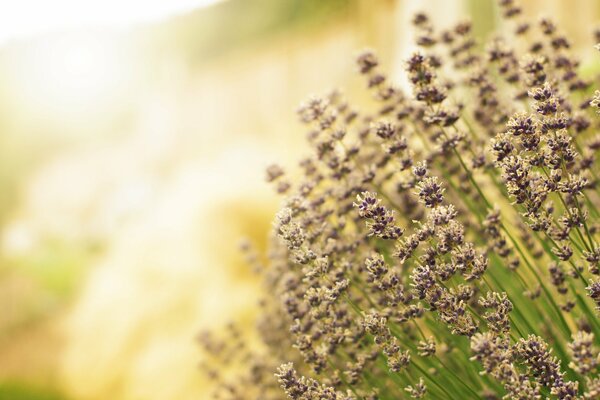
442	246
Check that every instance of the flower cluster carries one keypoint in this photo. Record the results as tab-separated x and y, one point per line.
444	245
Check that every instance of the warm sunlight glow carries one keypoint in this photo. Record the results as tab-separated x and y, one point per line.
70	75
30	17
69	63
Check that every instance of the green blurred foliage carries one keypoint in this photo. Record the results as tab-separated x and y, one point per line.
56	266
20	391
217	30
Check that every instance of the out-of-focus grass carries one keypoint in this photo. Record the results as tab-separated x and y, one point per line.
24	391
56	266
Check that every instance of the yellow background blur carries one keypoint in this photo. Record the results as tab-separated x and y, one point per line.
131	163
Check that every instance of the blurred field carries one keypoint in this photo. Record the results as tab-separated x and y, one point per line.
131	163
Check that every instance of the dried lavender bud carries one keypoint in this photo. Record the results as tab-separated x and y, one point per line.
422	75
563	252
430	192
420	19
418	390
521	124
593	388
273	172
534	70
545	102
443	117
558	276
381	221
305	389
295	388
595	103
548	27
510	9
491	351
420	170
376	325
502	147
398	360
584	355
533	293
593	258
500	307
442	215
290	231
534	353
594	290
573	218
375	266
385	129
313	109
426	348
419	70
366	61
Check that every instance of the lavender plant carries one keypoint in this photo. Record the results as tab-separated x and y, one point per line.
442	245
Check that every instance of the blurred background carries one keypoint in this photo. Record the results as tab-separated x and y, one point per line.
133	141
